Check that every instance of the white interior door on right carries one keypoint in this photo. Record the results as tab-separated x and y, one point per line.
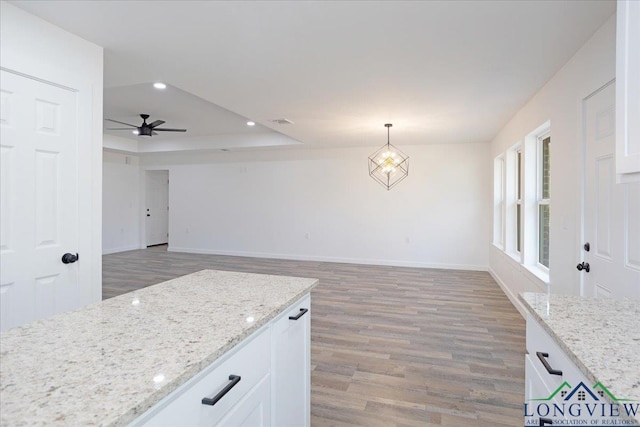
157	207
611	251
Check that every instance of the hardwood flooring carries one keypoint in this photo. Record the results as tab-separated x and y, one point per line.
390	346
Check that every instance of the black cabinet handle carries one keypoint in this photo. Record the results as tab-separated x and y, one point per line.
542	357
299	315
234	379
545	421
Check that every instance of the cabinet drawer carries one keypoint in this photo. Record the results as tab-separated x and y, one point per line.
537	387
184	407
539	341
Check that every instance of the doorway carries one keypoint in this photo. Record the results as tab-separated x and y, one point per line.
156	207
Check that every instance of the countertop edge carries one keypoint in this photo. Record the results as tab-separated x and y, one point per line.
130	416
561	343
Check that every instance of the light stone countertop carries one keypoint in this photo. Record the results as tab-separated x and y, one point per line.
601	336
109	362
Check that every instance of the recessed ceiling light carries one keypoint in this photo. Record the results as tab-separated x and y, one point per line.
251	123
160	85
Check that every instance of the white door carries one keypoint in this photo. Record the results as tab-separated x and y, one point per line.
611	211
39	200
157	207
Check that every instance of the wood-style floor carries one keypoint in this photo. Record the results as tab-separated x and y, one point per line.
390	346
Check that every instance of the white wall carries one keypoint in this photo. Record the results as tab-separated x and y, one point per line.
119	144
560	102
322	205
121	202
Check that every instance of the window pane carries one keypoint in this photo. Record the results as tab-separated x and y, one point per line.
546	163
518	230
519	174
543	239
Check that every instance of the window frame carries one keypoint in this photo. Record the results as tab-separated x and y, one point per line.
499	201
540	199
522	191
519	201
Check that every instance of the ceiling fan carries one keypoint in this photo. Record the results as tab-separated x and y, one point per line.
145	129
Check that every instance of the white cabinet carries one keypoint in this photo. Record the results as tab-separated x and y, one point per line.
628	90
549	377
254	410
263	381
291	366
250	362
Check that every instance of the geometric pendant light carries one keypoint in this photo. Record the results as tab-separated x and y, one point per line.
388	165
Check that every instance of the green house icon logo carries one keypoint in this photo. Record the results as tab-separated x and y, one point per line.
581	392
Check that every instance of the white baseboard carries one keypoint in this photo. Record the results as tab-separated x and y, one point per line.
365	261
120	249
512	297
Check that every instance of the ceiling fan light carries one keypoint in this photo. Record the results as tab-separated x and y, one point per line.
135	132
145	131
160	85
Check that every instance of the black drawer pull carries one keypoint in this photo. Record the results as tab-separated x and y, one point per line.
542	356
299	315
234	379
545	421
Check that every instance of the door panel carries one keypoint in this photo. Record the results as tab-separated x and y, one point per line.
611	210
39	200
291	370
604	188
254	410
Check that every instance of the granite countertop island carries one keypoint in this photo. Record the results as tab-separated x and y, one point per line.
109	362
601	336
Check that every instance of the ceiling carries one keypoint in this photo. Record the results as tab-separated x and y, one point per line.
440	71
208	125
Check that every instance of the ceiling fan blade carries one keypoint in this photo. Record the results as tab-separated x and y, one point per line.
170	130
117	128
156	123
122	123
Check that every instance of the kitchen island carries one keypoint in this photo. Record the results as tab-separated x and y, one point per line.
108	363
598	337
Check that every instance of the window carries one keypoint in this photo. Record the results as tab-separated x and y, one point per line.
519	185
498	201
522	201
544	168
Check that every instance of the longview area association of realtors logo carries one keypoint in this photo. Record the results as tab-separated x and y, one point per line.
582	405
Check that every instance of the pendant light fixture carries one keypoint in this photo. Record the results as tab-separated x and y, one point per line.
388	165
